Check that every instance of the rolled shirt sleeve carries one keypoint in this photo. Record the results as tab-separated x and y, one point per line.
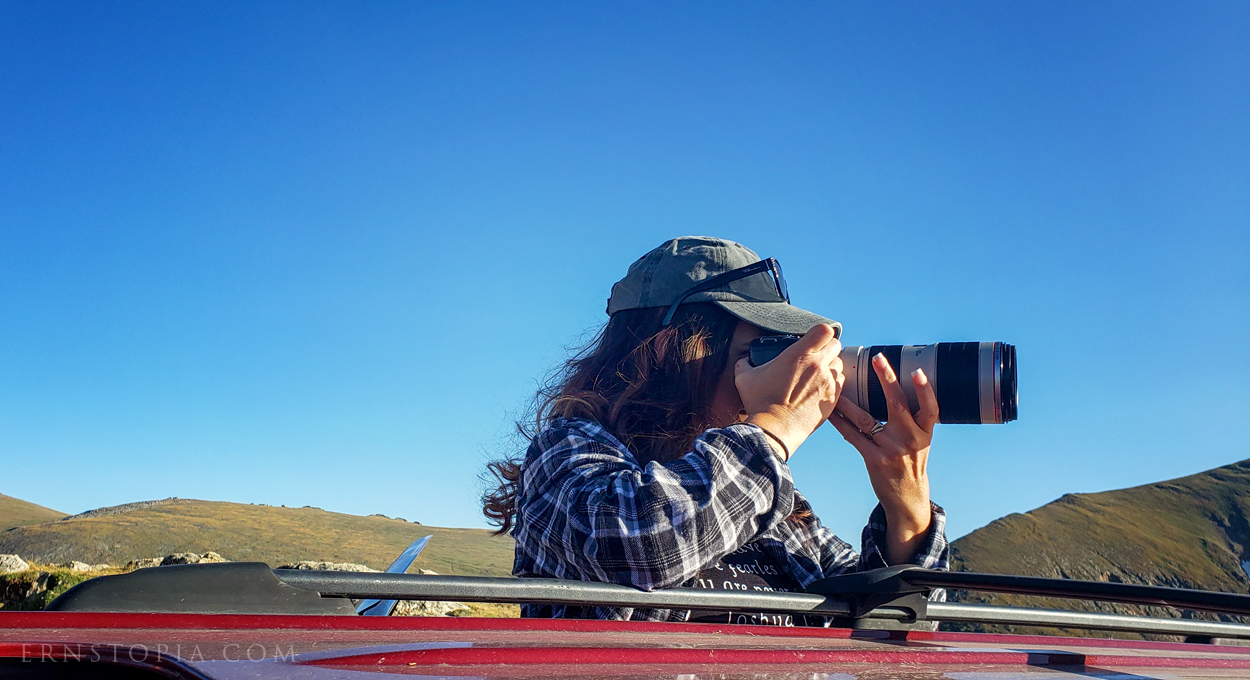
932	553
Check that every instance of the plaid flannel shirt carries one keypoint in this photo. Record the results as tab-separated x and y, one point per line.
586	510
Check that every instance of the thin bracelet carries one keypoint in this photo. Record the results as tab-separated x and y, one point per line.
779	442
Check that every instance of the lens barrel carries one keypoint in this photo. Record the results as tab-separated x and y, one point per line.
975	382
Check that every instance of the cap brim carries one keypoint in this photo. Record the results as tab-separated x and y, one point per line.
777	317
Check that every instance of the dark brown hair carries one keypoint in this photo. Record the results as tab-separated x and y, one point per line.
650	386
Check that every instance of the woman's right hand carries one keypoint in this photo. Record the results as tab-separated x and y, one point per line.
794	393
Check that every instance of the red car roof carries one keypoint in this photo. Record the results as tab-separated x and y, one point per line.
316	647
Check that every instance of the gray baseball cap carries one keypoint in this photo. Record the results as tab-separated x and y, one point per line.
663	276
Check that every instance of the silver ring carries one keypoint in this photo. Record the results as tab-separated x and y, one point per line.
876	429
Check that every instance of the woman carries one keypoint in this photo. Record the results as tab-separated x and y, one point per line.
661	454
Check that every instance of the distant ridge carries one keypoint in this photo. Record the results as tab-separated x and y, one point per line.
126	507
1190	532
259	533
15	512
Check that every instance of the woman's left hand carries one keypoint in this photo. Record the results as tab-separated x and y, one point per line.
896	457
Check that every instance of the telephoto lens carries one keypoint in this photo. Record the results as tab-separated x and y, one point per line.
975	382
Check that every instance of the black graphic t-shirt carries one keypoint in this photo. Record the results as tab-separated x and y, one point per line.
747	568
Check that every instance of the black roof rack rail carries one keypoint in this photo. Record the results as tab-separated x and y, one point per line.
955	612
895	593
552	591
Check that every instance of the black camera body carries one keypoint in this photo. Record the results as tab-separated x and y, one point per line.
765	349
975	382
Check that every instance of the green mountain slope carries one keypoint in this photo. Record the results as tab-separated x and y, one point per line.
15	512
1190	532
254	533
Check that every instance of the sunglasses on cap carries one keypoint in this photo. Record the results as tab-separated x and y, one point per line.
768	266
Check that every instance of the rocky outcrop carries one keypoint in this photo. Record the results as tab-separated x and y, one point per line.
192	558
427	607
12	563
176	558
27	587
313	565
83	567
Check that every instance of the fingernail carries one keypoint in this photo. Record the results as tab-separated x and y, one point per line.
919	373
884	366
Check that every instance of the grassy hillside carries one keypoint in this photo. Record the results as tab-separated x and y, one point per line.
255	533
18	513
1190	532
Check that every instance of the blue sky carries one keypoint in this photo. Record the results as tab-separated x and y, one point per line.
320	253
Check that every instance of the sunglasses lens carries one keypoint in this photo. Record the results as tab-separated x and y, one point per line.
780	279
